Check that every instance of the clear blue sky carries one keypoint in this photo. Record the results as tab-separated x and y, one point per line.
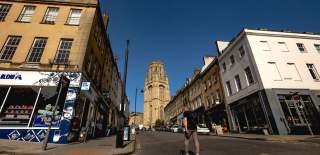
181	32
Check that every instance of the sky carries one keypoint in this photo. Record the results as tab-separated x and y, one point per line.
181	32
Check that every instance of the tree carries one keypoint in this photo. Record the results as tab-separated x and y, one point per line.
159	123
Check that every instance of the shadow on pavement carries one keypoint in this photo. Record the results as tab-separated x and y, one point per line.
182	152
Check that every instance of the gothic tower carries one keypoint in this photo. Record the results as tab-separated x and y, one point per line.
156	93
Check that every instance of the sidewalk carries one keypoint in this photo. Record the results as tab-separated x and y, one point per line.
281	138
101	146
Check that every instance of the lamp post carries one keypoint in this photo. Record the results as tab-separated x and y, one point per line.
135	106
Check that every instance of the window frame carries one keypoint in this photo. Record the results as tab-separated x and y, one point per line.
315	71
32	47
232	60
224	67
317	47
247	77
21	15
44	21
266	43
285	45
229	89
3	18
69	17
237	81
299	48
12	46
242	52
59	50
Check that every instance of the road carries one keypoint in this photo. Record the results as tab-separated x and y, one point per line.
165	143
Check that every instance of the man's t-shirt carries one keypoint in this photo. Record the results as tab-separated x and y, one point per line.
192	125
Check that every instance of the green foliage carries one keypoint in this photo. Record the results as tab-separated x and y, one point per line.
159	123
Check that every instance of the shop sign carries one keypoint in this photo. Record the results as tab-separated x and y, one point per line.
16	76
85	86
44	120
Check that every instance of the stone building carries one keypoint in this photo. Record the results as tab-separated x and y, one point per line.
272	81
203	93
136	119
156	93
41	41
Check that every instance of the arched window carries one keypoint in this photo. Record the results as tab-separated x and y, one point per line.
161	92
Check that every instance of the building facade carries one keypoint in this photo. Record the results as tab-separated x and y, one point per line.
42	41
156	93
136	119
203	94
271	81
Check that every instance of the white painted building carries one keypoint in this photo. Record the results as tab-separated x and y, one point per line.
272	81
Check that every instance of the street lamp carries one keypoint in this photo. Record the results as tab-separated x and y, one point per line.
135	106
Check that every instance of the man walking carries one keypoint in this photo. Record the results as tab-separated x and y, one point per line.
190	125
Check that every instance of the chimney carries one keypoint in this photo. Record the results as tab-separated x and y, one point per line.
221	45
208	59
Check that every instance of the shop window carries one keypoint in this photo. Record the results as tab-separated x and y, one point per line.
18	106
44	108
3	93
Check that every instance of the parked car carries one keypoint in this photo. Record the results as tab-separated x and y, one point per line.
181	129
174	128
202	129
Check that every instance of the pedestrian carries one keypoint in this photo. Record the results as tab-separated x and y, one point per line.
190	125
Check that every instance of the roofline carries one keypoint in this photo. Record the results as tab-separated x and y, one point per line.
58	2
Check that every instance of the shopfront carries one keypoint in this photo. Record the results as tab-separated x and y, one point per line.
300	113
27	99
216	115
249	115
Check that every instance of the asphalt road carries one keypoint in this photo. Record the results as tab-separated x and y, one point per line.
165	143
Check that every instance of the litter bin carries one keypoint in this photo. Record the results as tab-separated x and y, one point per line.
119	138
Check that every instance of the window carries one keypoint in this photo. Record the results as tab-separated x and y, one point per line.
232	59
238	82
283	47
37	49
265	46
313	71
50	15
10	47
4	9
241	52
63	51
229	88
301	47
273	71
26	14
224	67
292	72
317	46
249	76
74	17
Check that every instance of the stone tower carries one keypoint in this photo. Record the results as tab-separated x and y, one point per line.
156	93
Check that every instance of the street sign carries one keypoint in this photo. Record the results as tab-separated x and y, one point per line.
85	86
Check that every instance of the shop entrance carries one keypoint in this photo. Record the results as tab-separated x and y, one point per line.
300	113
